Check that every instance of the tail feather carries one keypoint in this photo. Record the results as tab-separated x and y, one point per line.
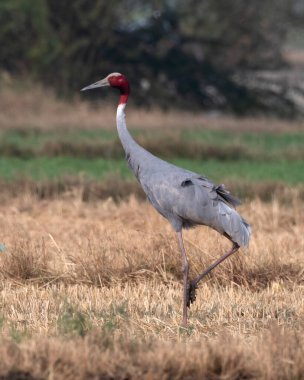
246	232
234	225
240	231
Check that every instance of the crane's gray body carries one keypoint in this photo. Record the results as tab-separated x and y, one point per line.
183	197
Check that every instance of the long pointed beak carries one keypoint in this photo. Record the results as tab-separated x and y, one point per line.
101	83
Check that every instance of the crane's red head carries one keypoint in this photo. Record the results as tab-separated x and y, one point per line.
115	80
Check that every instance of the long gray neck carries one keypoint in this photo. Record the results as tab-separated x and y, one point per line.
139	159
126	139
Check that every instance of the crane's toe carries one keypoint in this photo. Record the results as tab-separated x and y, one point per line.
191	293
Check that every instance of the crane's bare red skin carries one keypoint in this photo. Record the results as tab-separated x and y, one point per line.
122	84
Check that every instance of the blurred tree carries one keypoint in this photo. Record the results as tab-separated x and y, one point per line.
24	35
236	33
297	12
164	46
86	40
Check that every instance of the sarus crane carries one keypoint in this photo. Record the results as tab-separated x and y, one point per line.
186	199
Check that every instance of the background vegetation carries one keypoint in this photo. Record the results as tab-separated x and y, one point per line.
203	51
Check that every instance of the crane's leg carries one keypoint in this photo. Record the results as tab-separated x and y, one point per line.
191	294
185	270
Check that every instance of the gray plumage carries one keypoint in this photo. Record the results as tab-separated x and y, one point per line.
183	197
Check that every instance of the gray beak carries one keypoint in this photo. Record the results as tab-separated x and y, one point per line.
101	83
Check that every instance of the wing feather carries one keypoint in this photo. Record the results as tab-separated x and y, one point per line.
214	192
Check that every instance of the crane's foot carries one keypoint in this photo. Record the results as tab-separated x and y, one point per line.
191	293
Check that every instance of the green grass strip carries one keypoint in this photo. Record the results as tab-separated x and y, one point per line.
260	141
43	168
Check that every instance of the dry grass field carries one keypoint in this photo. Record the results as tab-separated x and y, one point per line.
93	291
